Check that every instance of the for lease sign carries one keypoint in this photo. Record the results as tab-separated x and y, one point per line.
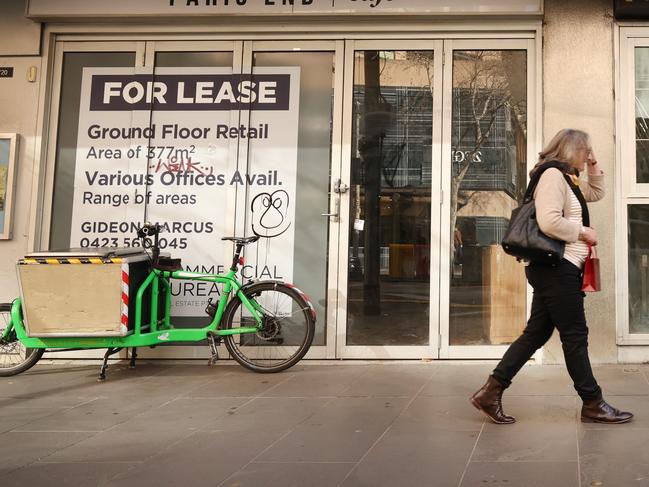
206	153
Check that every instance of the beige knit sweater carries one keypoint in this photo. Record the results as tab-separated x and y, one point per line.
552	202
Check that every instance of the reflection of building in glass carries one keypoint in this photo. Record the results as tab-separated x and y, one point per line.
488	139
404	153
407	140
391	198
494	161
497	165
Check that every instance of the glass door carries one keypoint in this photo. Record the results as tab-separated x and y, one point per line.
285	195
74	141
488	93
389	228
135	142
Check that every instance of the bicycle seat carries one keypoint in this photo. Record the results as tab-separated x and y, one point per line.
242	240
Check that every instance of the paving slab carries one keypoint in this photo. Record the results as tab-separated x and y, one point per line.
451	413
20	417
21	449
620	380
200	459
391	380
522	474
65	474
282	474
545	431
344	429
618	455
406	457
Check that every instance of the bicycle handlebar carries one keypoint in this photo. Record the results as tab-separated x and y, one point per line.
152	230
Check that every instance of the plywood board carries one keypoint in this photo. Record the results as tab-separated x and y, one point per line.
74	299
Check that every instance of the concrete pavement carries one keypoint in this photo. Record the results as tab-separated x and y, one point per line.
318	424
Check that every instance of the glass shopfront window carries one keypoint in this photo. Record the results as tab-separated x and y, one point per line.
642	114
312	174
66	147
203	170
488	179
635	193
638	218
390	222
349	178
631	188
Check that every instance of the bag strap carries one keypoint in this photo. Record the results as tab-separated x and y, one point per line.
585	216
536	177
561	166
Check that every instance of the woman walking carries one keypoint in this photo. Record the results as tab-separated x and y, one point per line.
560	201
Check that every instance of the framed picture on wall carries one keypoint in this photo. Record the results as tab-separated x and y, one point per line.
8	154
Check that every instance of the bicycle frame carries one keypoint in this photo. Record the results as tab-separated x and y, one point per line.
159	331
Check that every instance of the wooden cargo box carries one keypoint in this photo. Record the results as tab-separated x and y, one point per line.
81	292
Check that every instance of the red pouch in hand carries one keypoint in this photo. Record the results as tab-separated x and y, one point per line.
591	281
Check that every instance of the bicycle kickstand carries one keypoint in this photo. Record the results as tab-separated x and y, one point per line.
131	364
104	365
214	340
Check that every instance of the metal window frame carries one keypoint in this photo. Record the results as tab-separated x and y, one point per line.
431	350
534	101
627	36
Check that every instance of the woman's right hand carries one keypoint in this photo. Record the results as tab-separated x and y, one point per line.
588	235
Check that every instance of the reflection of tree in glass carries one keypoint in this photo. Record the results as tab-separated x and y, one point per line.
486	85
403	112
393	105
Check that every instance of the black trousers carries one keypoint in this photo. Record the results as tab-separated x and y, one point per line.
557	302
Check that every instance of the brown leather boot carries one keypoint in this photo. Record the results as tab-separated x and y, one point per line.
599	411
488	400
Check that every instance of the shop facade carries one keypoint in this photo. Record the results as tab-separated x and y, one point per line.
378	146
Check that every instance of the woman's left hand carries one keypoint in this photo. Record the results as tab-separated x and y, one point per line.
591	162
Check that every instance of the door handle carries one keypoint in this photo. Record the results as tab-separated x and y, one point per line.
336	214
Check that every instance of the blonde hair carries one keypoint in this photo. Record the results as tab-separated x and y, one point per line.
564	147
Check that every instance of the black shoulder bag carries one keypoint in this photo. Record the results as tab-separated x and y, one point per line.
523	238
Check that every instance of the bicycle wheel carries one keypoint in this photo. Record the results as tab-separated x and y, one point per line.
287	333
14	356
